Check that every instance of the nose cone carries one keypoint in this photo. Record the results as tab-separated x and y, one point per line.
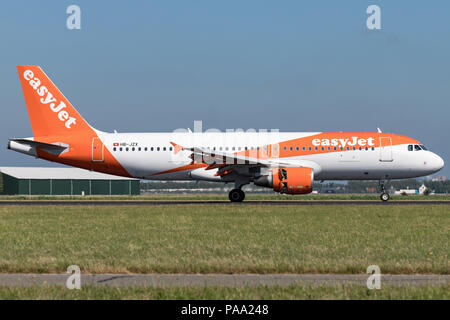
441	162
436	163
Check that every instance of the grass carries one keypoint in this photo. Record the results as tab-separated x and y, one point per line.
226	293
225	239
224	196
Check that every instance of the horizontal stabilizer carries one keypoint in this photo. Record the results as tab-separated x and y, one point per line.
30	146
44	145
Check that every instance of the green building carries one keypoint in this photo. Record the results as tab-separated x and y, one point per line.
63	181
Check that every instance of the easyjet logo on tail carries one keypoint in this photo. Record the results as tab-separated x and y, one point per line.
49	99
344	142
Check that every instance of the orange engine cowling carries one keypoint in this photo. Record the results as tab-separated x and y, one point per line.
296	180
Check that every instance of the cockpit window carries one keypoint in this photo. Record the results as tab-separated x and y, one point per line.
423	147
410	147
417	148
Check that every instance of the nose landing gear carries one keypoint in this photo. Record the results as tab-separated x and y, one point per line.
384	196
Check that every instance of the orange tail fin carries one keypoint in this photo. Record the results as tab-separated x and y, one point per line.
49	111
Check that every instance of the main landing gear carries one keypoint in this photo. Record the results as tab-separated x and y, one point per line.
236	195
384	196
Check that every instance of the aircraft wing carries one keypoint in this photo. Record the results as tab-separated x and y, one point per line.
226	161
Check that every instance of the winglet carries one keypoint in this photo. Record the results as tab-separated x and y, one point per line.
177	148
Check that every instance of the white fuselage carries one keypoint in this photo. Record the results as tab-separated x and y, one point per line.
149	155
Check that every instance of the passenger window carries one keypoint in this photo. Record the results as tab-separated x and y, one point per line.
157	148
366	148
145	149
170	148
114	149
139	149
348	148
329	148
126	149
309	148
132	149
373	148
335	148
417	148
284	148
290	148
120	149
304	148
410	147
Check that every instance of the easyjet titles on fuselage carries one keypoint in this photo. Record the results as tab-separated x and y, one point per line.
353	141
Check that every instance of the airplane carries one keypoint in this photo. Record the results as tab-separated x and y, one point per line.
287	162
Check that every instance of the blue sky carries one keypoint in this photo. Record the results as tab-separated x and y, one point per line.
290	65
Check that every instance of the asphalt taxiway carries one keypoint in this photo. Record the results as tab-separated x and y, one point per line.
230	280
217	202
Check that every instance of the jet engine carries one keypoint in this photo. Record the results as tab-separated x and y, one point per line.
297	180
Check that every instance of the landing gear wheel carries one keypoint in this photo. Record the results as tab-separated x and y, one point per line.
384	196
236	195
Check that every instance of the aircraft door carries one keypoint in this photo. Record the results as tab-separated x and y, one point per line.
97	150
386	149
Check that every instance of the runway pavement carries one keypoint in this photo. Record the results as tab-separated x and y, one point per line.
215	202
170	280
